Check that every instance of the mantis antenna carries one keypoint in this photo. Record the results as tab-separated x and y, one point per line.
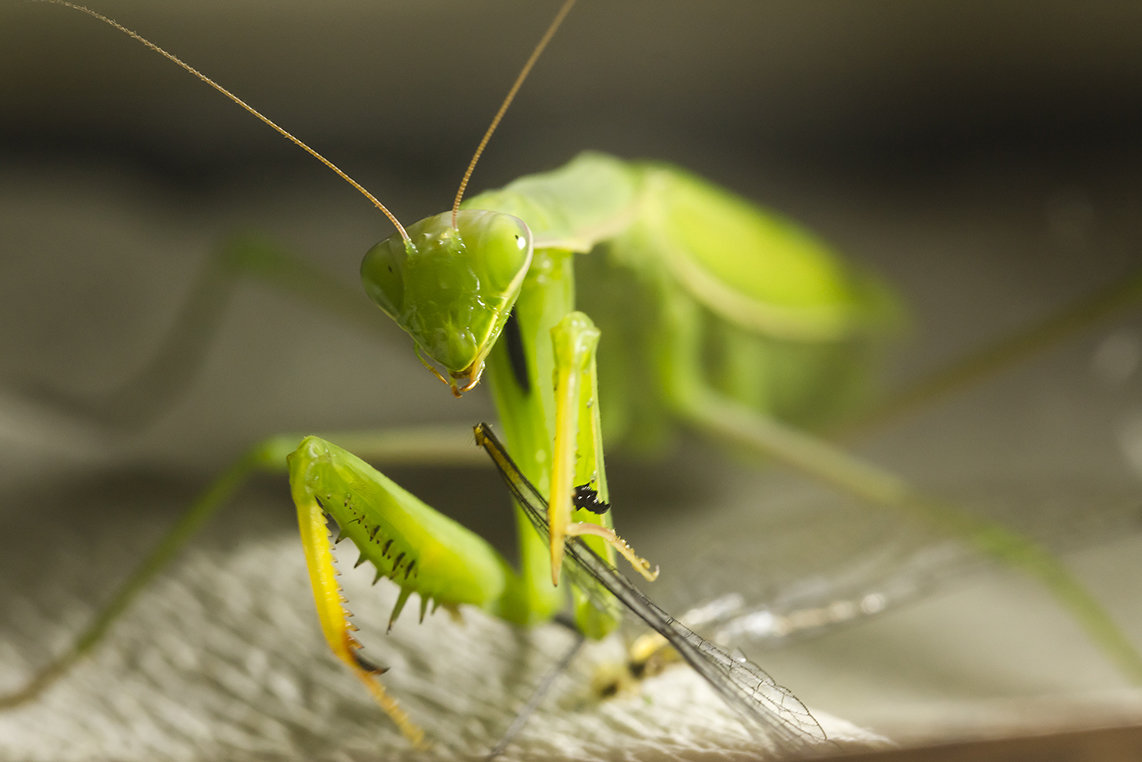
527	67
280	130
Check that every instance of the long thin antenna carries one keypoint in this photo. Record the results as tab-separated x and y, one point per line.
535	54
281	131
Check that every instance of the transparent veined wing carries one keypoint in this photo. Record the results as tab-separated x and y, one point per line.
771	708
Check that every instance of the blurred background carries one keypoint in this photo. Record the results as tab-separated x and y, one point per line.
984	157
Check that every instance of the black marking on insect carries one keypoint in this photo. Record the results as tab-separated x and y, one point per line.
516	353
586	497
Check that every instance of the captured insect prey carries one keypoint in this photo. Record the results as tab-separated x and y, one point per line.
865	364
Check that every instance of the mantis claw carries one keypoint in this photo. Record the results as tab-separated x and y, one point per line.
368	666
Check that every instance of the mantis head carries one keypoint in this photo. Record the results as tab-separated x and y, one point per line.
451	288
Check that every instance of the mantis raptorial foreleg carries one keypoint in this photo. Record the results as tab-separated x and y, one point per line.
578	449
419	549
579	469
425	552
268	456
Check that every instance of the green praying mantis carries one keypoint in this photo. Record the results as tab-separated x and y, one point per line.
594	201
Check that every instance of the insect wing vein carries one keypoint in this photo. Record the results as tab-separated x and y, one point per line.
767	706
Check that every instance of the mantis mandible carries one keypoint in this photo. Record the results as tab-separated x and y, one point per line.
612	178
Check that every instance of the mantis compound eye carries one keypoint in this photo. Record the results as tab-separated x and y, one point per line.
499	250
382	273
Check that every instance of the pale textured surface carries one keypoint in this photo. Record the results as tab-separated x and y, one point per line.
222	659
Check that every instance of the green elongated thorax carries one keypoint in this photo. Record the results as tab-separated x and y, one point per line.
521	371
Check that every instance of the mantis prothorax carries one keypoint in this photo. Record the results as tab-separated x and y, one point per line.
732	340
